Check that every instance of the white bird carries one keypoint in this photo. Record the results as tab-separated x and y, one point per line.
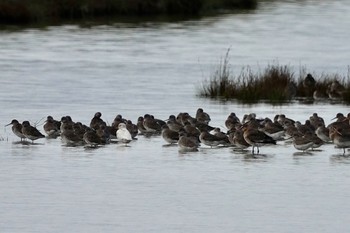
123	134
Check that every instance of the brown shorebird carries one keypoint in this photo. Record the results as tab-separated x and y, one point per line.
302	143
151	125
173	124
140	126
232	121
186	143
202	116
31	132
341	138
74	136
17	128
236	138
211	140
309	84
254	137
170	136
323	133
91	138
133	129
52	127
272	129
96	121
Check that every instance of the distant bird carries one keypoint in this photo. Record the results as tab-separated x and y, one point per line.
316	120
31	132
17	129
170	136
302	143
341	138
183	117
224	137
66	123
202	116
74	136
309	84
151	125
323	133
123	134
211	140
104	133
256	138
91	138
133	129
232	121
118	119
335	90
173	124
186	143
96	121
236	138
52	127
273	130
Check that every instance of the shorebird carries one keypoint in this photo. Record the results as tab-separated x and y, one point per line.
96	121
17	128
186	143
151	125
104	133
231	121
123	134
302	143
169	135
335	90
236	138
202	116
91	138
211	140
306	128
52	127
74	136
323	133
66	123
183	117
309	84
200	125
133	129
341	138
31	132
140	126
254	137
316	120
173	124
272	129
282	119
223	136
117	120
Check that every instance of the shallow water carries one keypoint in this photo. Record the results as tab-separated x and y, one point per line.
156	68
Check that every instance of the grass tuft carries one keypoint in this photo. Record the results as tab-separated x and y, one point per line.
275	84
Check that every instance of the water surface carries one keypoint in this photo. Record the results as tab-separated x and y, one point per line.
156	67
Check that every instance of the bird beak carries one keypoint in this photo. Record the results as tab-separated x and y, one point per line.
8	124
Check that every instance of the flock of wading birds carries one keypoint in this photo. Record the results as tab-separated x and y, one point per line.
192	132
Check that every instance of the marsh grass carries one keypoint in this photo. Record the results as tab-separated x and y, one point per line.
274	84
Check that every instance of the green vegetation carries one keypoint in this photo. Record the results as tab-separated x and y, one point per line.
275	84
34	11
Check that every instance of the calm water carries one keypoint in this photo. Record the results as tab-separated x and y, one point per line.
133	69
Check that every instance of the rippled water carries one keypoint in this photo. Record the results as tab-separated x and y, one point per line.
156	67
